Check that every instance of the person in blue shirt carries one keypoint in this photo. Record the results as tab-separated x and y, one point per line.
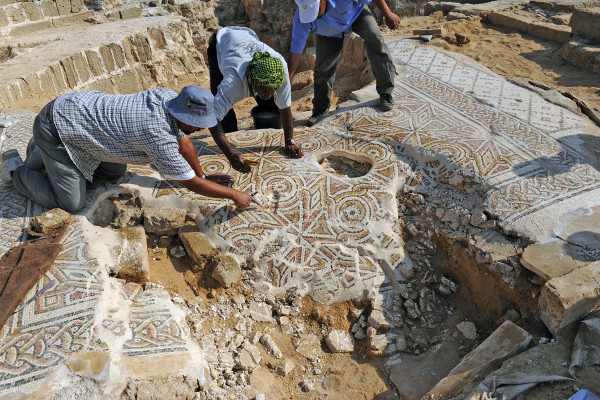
330	20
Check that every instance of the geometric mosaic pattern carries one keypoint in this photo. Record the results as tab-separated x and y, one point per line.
331	235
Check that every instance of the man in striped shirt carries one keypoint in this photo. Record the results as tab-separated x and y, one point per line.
89	136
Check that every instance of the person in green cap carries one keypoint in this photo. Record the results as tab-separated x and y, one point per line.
240	66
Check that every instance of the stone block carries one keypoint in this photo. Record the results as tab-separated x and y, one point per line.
107	58
565	5
49	221
414	376
65	20
163	221
198	247
227	271
15	14
339	341
550	260
113	14
49	8
505	342
129	50
33	84
118	55
509	20
25	29
556	33
32	11
579	53
569	298
94	61
70	72
59	77
81	66
63	6
77	6
47	82
104	85
130	11
3	18
132	255
586	23
142	48
128	82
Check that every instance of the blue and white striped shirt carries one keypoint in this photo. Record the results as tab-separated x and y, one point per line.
128	129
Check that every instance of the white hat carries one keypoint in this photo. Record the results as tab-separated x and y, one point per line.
308	10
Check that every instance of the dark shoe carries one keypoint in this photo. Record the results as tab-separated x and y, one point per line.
10	161
315	118
386	102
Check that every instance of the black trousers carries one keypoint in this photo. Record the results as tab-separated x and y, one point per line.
229	122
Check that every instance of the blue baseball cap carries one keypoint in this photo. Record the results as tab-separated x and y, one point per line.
193	106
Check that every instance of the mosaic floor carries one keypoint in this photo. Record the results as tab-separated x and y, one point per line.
329	234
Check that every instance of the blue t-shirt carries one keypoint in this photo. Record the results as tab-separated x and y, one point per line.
337	19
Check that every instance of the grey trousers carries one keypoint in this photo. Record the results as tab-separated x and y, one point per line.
329	51
49	177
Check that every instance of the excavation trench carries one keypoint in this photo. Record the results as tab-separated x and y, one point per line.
454	297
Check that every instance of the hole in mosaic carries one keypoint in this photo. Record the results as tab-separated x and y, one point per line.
345	164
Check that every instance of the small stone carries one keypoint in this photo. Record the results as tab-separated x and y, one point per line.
307	385
227	271
177	251
260	396
254	337
378	343
377	320
339	341
271	346
360	334
50	220
468	329
261	312
284	367
362	321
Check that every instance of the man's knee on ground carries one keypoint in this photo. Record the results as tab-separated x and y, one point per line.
72	203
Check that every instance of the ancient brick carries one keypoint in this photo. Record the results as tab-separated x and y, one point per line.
47	82
584	55
25	29
104	85
32	11
81	66
59	78
556	33
134	265
198	247
33	84
509	20
142	48
94	61
107	58
77	6
65	20
118	55
127	82
129	49
49	8
569	298
130	11
15	14
586	23
70	72
63	6
3	18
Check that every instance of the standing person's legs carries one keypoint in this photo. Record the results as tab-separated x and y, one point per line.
329	51
229	122
62	185
382	65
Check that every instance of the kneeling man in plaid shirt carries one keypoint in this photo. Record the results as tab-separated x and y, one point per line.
82	138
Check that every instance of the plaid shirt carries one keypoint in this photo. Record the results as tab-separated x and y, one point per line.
129	129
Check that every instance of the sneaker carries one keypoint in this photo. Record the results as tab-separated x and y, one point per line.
386	102
11	160
315	118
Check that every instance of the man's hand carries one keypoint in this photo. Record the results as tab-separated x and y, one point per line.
237	163
293	150
241	199
392	20
222	179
